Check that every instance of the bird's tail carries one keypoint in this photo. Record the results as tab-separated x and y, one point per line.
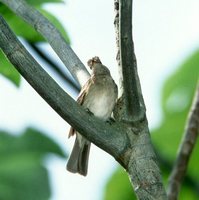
78	161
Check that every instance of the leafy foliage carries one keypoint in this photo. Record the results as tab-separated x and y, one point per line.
24	30
119	187
177	95
22	174
40	2
7	70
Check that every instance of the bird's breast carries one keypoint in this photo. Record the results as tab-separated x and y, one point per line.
101	106
101	101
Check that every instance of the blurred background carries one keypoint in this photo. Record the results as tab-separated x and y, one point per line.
33	138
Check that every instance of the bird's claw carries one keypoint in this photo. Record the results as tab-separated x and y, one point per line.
89	112
110	120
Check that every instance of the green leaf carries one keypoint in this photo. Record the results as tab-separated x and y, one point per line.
25	182
31	141
40	2
7	70
22	174
179	88
119	187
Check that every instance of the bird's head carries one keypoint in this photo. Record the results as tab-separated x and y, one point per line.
95	60
96	66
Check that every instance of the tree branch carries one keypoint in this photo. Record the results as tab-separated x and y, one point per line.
133	99
52	35
56	68
116	24
185	150
142	166
111	138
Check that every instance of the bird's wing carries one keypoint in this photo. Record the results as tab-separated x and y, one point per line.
84	91
80	100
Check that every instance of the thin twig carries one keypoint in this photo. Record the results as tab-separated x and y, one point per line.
52	35
185	150
89	126
131	87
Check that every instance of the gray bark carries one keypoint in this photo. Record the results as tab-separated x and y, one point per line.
142	165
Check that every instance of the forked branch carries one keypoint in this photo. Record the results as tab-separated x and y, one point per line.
142	165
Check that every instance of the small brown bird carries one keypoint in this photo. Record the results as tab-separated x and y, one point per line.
99	96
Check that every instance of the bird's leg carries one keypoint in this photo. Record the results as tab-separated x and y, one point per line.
110	120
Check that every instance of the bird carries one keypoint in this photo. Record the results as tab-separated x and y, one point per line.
98	96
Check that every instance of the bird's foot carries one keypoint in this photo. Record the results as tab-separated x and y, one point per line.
89	112
110	120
